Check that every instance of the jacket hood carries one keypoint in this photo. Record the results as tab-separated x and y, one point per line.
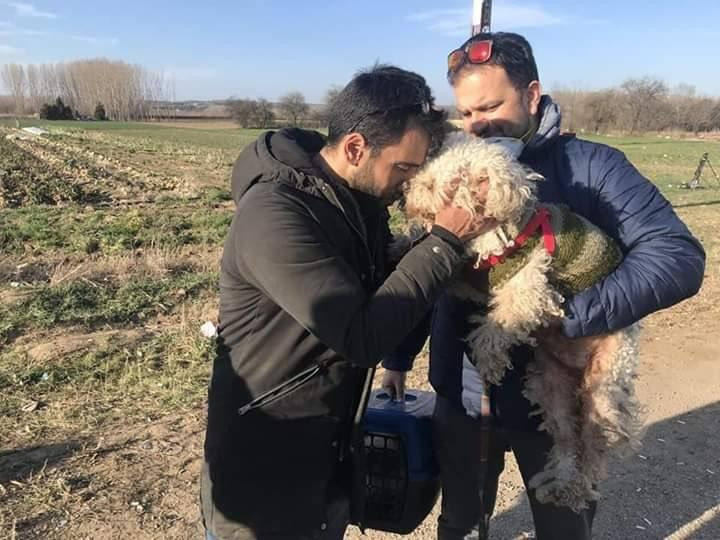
286	153
549	126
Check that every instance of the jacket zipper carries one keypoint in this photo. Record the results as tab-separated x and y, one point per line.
332	198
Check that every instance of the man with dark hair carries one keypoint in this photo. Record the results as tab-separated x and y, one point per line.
309	302
346	114
498	94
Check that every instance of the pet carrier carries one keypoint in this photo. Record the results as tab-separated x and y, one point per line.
401	477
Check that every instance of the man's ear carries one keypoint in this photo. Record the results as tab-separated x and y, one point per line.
354	148
533	93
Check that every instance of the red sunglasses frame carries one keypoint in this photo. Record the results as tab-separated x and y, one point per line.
477	52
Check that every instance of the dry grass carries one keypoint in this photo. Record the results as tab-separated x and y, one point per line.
153	262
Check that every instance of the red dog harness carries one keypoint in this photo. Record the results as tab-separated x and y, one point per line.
539	222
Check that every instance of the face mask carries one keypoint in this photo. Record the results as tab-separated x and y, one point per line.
511	144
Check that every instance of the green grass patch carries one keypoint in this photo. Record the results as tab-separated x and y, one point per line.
26	180
669	162
37	229
117	380
91	304
214	195
222	139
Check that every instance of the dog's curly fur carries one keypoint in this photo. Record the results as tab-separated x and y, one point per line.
585	395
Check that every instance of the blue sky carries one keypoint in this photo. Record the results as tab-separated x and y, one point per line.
265	48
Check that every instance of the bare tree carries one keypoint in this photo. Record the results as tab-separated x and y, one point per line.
570	101
601	109
243	111
321	114
294	107
48	83
643	97
699	115
13	78
680	99
266	115
331	94
35	99
7	105
250	113
127	91
715	116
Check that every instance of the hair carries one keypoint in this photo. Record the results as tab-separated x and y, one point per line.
380	103
510	51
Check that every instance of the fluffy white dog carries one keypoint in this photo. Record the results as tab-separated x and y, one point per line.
536	256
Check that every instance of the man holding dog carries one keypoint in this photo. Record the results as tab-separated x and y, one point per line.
498	94
308	302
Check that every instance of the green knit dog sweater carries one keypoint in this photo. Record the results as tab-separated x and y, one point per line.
583	254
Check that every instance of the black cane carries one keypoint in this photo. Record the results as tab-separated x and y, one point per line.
482	14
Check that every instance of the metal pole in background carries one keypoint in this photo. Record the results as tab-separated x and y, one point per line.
482	14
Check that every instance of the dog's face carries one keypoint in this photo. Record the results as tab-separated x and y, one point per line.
474	174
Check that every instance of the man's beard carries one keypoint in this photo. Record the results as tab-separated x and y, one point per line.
505	129
364	181
521	129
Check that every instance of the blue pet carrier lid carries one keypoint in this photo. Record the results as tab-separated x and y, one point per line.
410	420
417	403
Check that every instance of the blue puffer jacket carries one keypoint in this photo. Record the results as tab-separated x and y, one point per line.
663	263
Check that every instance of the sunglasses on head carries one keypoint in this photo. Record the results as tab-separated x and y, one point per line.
476	52
423	106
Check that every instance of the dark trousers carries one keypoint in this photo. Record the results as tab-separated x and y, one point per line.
468	499
338	515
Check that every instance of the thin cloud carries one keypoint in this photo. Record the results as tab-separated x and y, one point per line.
456	22
8	29
28	10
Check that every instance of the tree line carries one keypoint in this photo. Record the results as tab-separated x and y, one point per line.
637	106
102	88
125	91
291	110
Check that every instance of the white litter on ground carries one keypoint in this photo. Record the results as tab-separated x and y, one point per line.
208	330
35	131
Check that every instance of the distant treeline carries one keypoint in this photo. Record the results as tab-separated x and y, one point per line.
131	92
125	91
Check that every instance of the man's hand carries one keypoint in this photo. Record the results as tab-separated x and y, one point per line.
461	223
457	221
394	383
573	353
